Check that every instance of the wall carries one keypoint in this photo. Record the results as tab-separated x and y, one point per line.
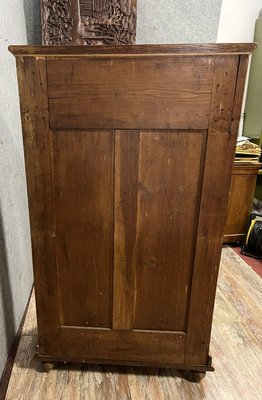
32	20
237	24
176	21
15	251
237	20
253	115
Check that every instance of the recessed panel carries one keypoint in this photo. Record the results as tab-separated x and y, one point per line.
130	93
83	179
156	214
170	177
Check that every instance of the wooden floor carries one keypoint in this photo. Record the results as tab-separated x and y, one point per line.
236	348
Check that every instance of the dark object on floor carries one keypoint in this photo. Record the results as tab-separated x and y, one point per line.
253	244
257	206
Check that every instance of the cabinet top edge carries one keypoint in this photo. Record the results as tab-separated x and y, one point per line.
135	50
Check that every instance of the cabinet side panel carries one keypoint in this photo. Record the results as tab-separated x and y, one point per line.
83	179
36	137
224	116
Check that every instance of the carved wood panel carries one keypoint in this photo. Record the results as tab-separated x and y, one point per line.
91	22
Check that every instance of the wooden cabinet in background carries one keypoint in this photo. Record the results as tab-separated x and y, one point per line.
240	202
124	147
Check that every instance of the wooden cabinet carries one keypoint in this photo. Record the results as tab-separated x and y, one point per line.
129	152
240	201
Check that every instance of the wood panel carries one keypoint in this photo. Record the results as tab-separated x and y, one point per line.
36	137
127	147
83	182
222	135
130	94
240	201
47	296
157	194
127	346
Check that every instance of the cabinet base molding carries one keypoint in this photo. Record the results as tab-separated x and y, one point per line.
234	238
193	369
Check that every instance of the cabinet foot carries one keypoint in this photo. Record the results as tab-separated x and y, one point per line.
47	366
195	376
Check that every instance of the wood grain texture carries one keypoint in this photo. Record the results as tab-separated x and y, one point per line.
83	185
127	146
134	193
235	345
130	95
240	201
213	208
154	226
35	121
117	345
146	50
36	138
170	175
47	295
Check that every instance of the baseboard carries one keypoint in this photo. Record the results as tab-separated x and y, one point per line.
4	380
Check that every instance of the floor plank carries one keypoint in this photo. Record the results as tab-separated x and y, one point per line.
235	347
30	327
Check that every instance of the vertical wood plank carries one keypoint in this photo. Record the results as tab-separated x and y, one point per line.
36	136
170	171
35	122
154	226
213	208
127	145
83	192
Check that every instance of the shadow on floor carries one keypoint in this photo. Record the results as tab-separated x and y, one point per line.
6	292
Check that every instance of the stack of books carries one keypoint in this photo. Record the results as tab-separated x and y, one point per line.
247	152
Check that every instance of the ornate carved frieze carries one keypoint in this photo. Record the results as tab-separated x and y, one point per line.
92	22
57	22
